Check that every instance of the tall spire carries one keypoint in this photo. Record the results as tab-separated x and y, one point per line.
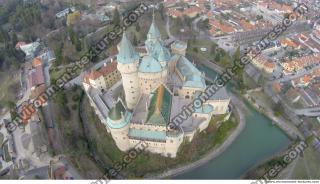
164	55
153	14
126	54
154	32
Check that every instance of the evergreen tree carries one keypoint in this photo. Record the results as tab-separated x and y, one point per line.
137	27
135	40
116	17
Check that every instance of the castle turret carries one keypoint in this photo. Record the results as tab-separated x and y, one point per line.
118	122
128	63
153	38
151	74
153	32
179	47
164	56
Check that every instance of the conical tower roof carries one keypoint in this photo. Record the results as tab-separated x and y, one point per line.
154	32
116	112
127	54
164	54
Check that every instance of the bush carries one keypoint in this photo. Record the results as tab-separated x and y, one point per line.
75	97
74	107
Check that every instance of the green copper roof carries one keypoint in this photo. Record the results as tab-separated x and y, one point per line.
120	124
164	54
149	65
127	54
154	32
115	112
204	109
147	135
192	75
154	47
118	112
160	107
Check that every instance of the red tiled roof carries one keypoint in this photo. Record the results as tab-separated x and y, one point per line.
276	86
36	76
246	25
108	68
289	43
38	91
36	62
19	44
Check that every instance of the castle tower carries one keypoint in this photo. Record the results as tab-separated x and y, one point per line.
118	122
128	63
153	38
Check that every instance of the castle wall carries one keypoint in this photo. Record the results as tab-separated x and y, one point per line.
172	145
150	81
147	127
179	51
98	83
187	92
120	136
112	78
219	106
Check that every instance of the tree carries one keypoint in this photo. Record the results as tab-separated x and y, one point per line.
213	48
195	49
178	21
135	40
78	45
58	53
217	57
73	17
188	21
137	27
236	55
161	10
116	17
14	38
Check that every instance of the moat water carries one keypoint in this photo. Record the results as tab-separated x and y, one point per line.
258	141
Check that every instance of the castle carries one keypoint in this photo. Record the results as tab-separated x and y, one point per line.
156	85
